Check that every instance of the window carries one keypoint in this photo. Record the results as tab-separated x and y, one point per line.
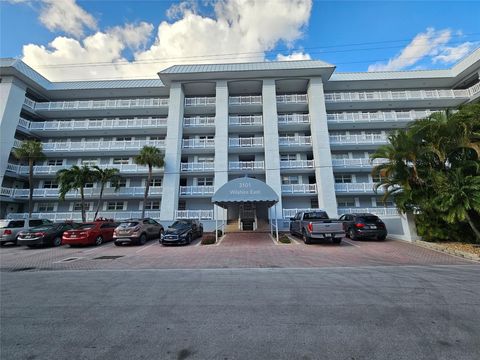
288	157
376	179
50	184
124	138
290	180
89	185
346	202
121	160
203	159
205	181
121	183
182	205
343	178
77	206
55	162
386	203
152	205
156	182
314	203
89	162
154	138
46	207
36	222
339	156
115	205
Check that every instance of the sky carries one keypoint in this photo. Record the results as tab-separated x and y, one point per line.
117	39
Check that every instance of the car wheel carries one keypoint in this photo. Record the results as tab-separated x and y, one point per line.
98	241
117	244
337	240
143	239
306	239
351	234
188	239
57	241
3	244
381	238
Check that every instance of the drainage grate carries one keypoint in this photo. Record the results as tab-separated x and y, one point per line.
69	259
108	257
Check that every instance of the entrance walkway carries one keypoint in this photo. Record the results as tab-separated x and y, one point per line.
256	239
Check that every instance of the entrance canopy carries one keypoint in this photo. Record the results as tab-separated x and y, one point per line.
244	190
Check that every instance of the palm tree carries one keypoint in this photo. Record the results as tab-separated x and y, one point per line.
151	157
75	178
30	151
103	176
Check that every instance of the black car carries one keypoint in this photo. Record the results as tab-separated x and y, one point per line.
49	234
182	232
363	226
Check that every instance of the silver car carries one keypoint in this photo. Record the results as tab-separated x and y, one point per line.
9	229
137	231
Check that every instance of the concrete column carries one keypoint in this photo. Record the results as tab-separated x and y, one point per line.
221	140
409	227
270	140
173	151
321	147
12	96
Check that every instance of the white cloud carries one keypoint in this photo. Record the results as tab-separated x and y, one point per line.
239	31
294	56
450	55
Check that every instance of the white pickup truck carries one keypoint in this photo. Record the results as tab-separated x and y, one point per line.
316	224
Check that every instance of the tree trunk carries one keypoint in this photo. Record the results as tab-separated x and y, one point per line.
82	201
30	186
472	225
99	200
146	190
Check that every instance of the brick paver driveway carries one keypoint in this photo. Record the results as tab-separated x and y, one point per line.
234	251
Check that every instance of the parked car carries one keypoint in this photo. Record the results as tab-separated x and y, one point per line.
363	226
316	224
48	234
9	229
182	232
137	231
93	233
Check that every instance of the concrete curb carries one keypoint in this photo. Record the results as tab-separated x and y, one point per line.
440	248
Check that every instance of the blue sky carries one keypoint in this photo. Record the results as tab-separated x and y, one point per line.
133	39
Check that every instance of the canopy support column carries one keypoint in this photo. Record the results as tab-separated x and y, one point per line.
276	223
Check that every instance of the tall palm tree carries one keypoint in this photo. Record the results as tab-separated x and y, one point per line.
30	151
151	157
103	176
75	178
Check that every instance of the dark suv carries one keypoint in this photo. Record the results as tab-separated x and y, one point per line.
182	232
363	226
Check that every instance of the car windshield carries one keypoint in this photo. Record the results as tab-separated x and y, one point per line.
317	215
86	226
129	224
11	224
368	218
180	223
45	227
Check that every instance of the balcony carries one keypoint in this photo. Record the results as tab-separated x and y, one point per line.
246	165
292	99
379	211
198	144
247	144
297	165
378	119
293	119
245	120
77	216
245	100
298	189
358	140
17	143
199	121
200	101
194	214
196	190
52	169
357	163
89	193
101	145
295	141
197	167
356	188
29	103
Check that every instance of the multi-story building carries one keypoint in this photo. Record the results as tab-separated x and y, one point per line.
298	126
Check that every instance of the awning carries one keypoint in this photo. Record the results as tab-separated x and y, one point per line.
244	190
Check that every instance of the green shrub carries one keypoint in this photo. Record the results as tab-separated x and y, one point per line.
284	239
208	238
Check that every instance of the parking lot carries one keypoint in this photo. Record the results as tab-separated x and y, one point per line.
237	250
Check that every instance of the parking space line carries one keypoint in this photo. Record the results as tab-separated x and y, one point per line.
351	243
144	248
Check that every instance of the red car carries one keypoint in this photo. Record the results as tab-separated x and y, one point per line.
94	233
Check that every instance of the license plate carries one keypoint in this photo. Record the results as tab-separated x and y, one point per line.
328	235
73	236
373	226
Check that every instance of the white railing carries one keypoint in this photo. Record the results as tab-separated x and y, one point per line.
287	119
246	142
52	169
245	120
379	211
77	216
101	145
8	192
292	99
246	165
195	121
289	213
197	166
359	139
363	162
473	90
100	124
194	214
24	123
379	116
297	164
295	140
356	187
299	189
396	95
102	104
245	100
198	143
200	101
29	102
197	190
17	143
88	192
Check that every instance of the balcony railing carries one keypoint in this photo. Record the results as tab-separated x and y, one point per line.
245	100
299	189
356	187
246	165
292	99
24	123
52	169
380	116
200	101
199	121
360	163
197	166
197	190
295	141
89	192
198	143
297	164
475	89
289	213
246	142
396	95
17	143
101	145
288	119
96	124
7	192
379	211
29	102
359	139
194	214
245	120
102	104
76	215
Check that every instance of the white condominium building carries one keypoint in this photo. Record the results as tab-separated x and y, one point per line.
300	127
